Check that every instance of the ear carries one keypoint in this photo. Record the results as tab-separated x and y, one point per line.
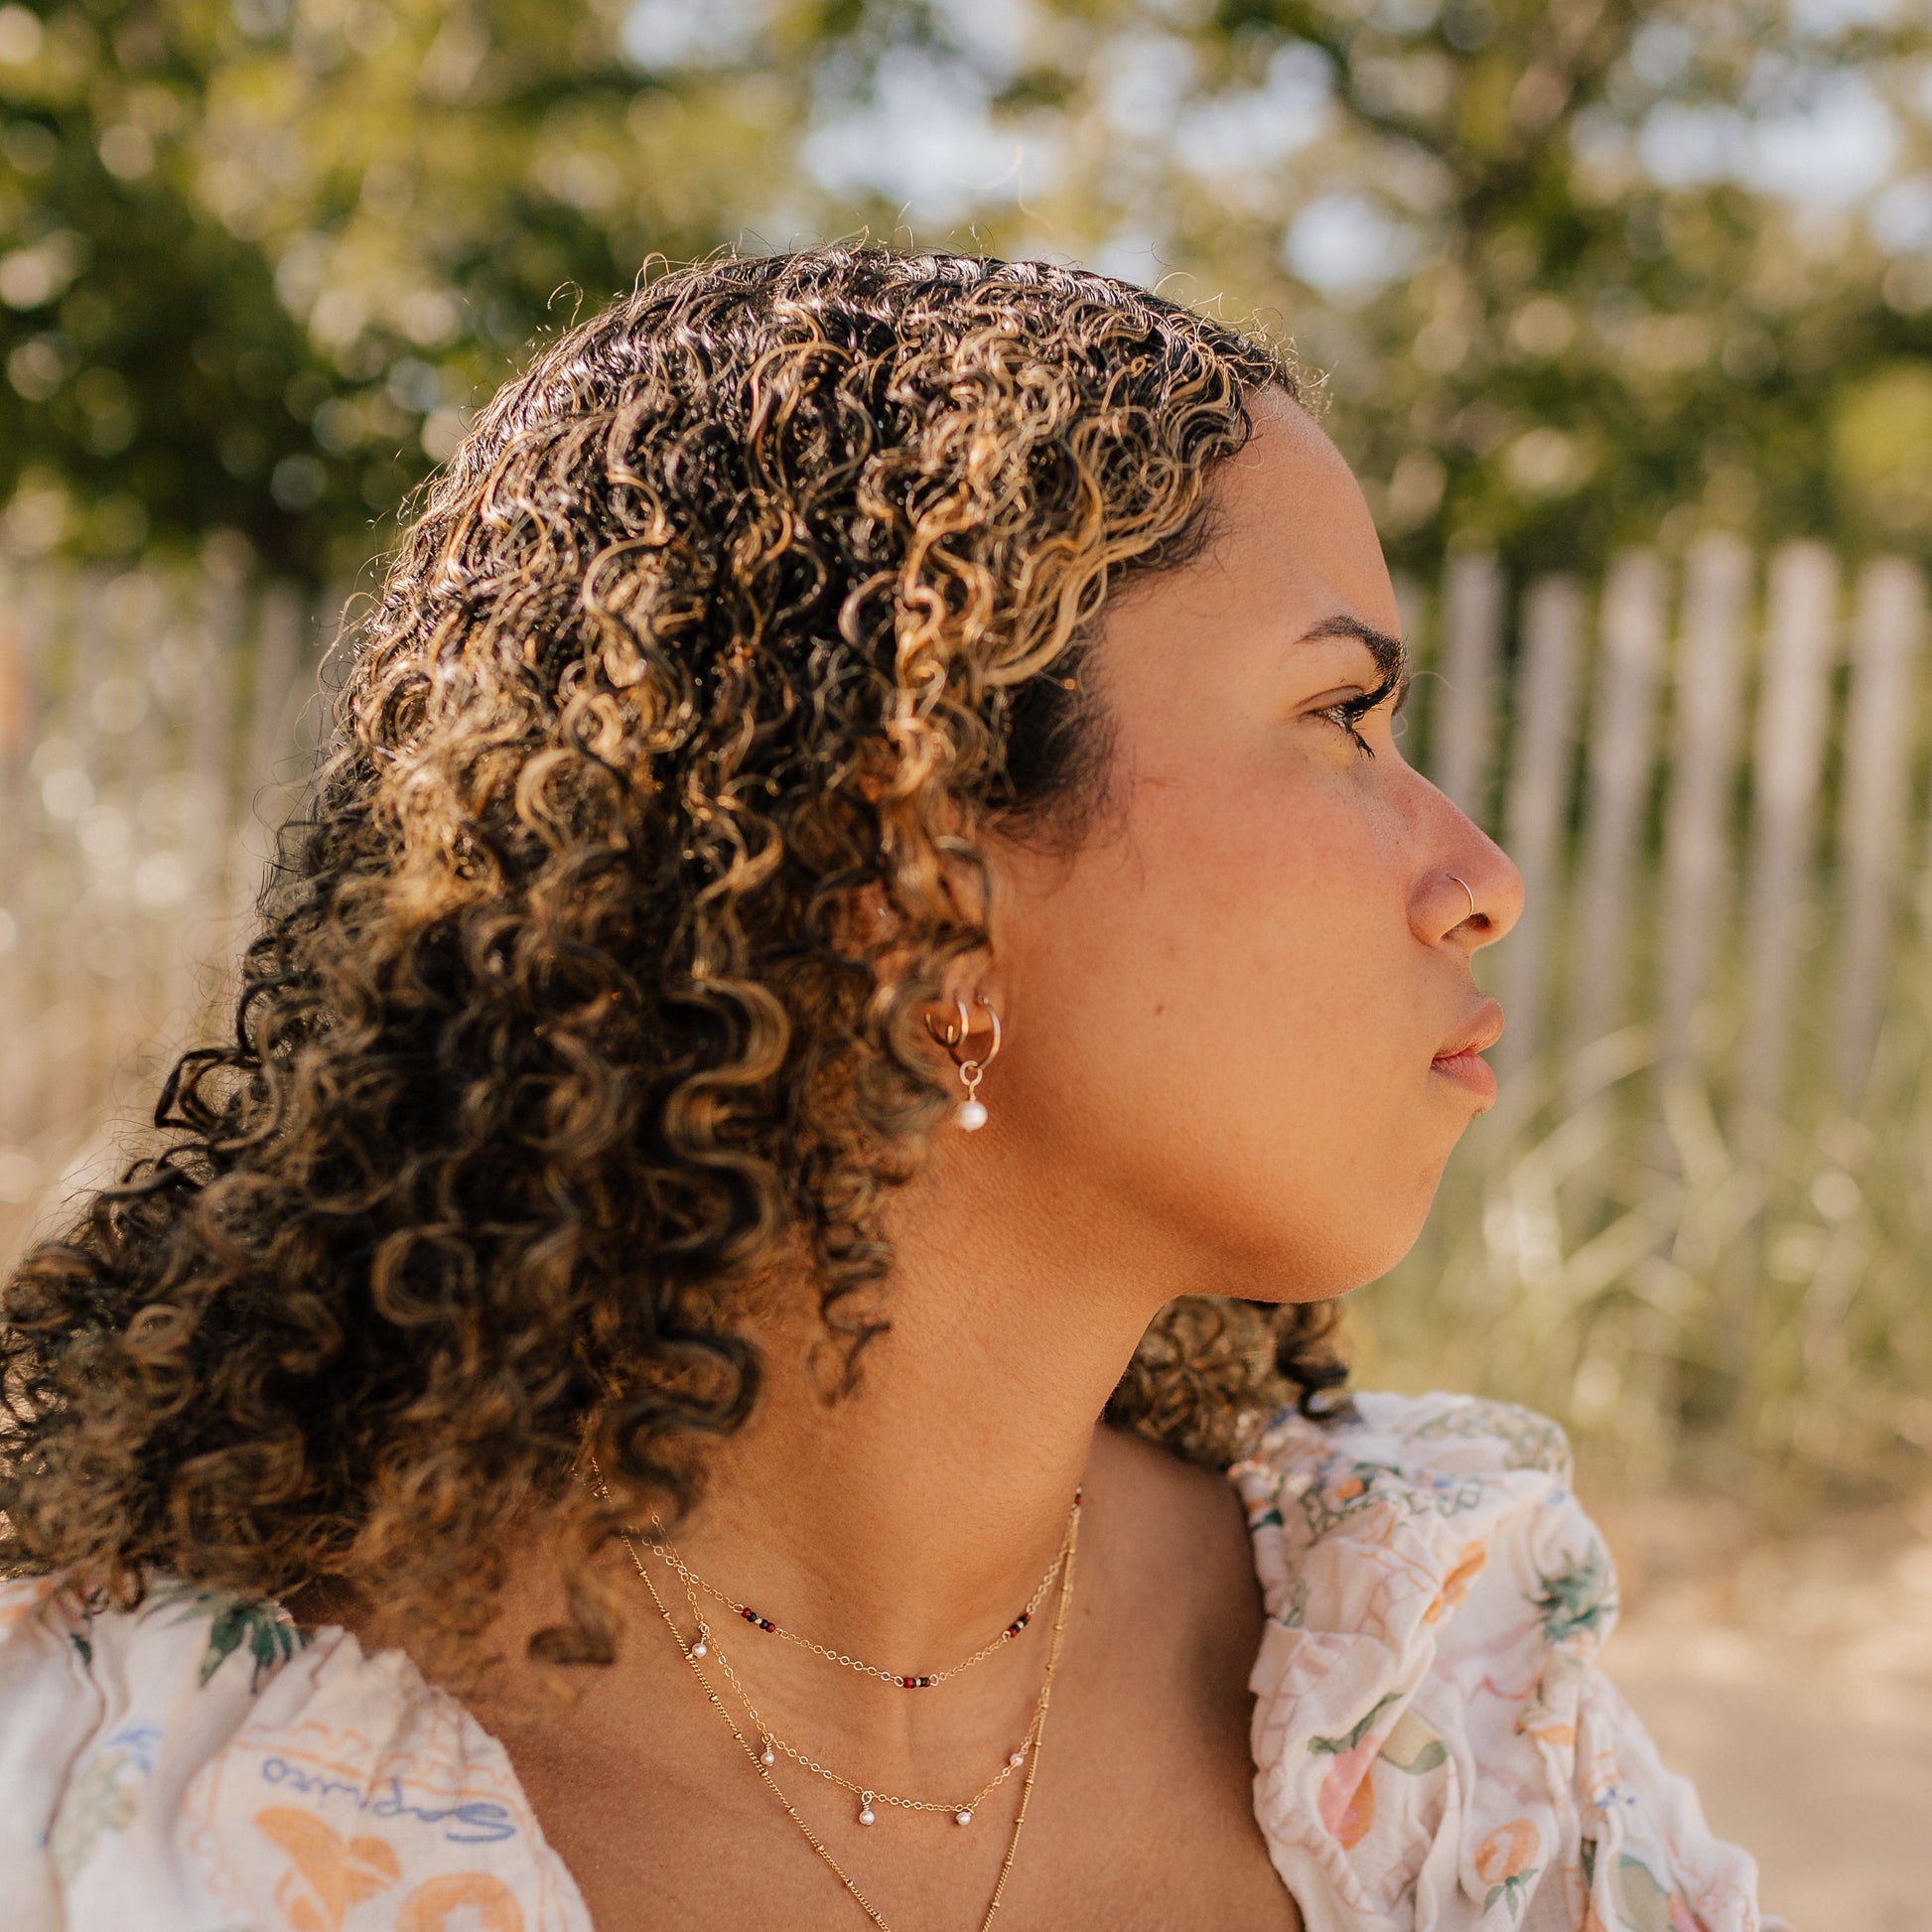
957	887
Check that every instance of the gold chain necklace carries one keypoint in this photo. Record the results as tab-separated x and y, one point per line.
1036	1735
774	1747
899	1679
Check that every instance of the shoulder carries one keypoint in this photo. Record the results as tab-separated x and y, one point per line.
202	1760
1433	1744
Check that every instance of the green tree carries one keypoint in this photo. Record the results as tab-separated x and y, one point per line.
260	259
144	346
1574	266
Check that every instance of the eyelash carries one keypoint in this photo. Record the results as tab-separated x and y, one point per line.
1350	712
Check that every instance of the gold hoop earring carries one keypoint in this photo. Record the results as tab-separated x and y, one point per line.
952	1035
971	1115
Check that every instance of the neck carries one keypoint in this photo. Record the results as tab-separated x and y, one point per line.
911	1519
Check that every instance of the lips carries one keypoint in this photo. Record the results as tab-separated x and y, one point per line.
1479	1033
1462	1062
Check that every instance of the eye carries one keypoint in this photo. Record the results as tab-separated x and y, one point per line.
1347	712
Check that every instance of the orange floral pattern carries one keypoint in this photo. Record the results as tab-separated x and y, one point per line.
328	1873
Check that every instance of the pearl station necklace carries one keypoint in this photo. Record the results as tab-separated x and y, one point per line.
772	1746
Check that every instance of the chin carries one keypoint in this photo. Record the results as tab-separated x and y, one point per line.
1286	1275
1346	1254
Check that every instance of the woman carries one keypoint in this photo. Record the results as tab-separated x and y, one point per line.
864	967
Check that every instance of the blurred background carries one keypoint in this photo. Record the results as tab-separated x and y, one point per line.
1624	308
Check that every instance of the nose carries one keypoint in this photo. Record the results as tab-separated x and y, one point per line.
1472	895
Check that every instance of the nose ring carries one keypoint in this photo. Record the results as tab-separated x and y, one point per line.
1464	884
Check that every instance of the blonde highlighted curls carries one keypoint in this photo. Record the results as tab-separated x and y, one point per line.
557	1038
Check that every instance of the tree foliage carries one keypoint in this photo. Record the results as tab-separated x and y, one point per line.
1577	268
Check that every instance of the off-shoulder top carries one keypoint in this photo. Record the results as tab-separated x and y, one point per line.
1435	1747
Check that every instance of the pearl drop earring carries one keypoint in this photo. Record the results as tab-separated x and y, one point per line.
971	1115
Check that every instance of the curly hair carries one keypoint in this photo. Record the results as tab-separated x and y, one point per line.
559	1035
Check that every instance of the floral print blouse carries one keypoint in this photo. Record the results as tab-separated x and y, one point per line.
1435	1747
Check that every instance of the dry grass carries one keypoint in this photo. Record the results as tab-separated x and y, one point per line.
1745	1306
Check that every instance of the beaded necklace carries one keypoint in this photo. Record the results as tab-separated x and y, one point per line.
899	1679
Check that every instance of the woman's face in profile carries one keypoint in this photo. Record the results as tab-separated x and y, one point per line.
1227	1011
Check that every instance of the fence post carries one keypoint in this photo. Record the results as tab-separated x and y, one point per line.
1801	623
1621	732
1464	710
138	613
1886	636
1697	865
38	605
1413	728
19	637
1542	756
278	652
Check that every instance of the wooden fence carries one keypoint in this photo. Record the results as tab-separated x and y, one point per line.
1711	772
151	724
1711	775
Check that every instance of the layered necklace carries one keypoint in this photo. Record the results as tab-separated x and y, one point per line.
763	1747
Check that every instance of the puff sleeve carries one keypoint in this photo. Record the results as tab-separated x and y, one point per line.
1436	1748
201	1765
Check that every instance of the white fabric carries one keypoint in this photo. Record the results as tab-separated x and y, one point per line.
196	1766
1433	1746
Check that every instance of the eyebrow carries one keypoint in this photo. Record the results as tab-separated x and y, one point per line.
1391	654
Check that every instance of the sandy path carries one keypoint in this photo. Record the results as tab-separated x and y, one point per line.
1794	1683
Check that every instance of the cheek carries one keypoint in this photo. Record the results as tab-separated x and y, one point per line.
1235	1034
1272	913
